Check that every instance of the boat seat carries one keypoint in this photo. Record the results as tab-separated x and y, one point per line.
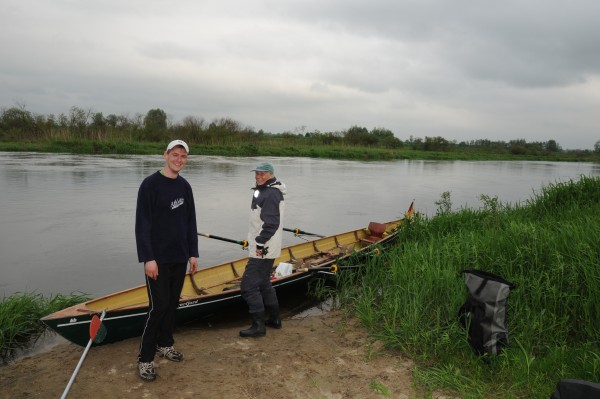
376	231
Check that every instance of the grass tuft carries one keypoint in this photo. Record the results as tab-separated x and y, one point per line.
20	313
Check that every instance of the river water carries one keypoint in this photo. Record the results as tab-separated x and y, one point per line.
67	221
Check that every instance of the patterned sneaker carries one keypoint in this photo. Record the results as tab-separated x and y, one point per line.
168	352
146	370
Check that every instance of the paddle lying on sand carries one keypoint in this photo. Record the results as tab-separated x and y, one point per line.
97	335
298	232
243	243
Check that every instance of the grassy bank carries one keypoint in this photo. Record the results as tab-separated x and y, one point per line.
549	247
20	314
279	147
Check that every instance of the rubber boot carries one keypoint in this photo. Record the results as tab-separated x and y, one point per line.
274	320
257	329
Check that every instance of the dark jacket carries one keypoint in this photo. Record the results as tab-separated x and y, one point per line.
165	220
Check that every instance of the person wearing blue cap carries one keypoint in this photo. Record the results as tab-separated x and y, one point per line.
264	245
167	240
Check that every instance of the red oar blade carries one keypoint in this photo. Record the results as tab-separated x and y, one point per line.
97	330
94	326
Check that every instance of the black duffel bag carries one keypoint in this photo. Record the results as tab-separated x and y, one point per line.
484	312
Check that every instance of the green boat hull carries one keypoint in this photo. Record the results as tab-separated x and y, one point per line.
129	323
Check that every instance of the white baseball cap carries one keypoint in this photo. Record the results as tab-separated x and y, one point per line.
175	143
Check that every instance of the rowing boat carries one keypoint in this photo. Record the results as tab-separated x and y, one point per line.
212	288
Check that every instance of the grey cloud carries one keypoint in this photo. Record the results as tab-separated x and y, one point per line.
529	44
468	69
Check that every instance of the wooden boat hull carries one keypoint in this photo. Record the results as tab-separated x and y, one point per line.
210	289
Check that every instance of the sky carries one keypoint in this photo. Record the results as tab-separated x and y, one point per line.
463	70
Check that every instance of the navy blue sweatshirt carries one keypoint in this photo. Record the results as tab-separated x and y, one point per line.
165	220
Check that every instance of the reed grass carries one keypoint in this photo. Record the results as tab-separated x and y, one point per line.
549	247
20	313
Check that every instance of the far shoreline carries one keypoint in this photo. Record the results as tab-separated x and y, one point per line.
340	152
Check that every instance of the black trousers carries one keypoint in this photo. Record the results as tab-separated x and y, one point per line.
163	294
256	286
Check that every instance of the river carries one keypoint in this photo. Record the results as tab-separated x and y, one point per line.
67	221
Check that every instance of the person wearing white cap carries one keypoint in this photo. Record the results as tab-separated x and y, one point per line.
167	240
264	246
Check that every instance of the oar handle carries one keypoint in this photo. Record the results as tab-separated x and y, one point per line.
243	243
301	232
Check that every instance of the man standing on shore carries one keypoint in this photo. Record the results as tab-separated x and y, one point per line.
166	238
264	238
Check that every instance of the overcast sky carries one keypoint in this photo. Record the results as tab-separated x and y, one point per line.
463	70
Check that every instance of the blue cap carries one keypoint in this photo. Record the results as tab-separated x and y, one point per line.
264	167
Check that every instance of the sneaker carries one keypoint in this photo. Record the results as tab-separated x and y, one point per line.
168	352
146	370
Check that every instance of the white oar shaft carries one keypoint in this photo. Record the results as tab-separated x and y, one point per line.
87	349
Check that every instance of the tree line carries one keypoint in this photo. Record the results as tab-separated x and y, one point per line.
18	124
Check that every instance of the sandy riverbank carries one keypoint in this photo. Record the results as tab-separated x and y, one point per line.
315	355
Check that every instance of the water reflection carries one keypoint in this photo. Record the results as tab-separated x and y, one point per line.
67	221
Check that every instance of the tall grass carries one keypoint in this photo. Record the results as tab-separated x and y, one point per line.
20	325
548	247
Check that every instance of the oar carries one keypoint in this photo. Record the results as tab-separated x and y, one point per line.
298	232
243	243
97	335
333	268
